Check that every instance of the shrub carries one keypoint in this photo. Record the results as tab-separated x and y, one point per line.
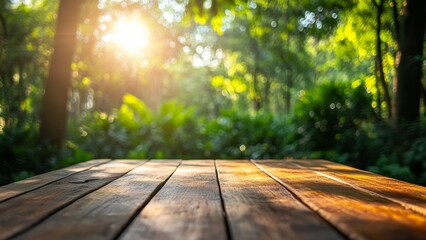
334	117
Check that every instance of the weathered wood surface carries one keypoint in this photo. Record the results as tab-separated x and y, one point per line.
18	188
104	213
409	195
26	210
260	208
354	211
188	207
212	199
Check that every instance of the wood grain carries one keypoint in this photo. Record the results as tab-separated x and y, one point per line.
410	196
258	207
102	214
106	201
187	207
358	214
24	211
18	188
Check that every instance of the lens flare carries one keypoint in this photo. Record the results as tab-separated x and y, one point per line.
131	35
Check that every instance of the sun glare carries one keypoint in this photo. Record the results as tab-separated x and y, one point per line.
130	35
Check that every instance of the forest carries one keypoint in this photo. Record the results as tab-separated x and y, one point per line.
210	79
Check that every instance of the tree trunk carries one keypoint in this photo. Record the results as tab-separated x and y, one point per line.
54	105
257	100
289	79
409	72
395	14
380	75
267	93
289	72
423	93
379	95
4	26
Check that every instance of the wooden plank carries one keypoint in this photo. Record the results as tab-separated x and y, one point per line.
358	214
409	195
104	213
258	207
24	211
187	207
26	185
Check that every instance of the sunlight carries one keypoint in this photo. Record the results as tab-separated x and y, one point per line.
131	35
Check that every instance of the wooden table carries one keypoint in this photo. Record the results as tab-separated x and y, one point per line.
206	199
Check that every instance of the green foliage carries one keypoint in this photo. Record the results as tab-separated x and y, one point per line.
336	121
175	131
22	155
327	112
254	82
389	166
414	159
16	147
73	155
133	114
25	37
135	131
240	134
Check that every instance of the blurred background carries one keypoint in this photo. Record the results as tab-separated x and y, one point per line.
197	79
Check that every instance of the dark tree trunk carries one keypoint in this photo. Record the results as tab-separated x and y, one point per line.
4	26
409	72
380	75
289	72
424	96
379	95
257	100
266	93
395	14
289	79
54	105
256	84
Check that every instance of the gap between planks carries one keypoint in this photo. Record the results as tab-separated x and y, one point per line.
186	207
296	196
106	212
149	198
222	203
260	208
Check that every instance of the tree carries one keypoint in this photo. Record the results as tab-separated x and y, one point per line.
54	105
380	74
409	71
